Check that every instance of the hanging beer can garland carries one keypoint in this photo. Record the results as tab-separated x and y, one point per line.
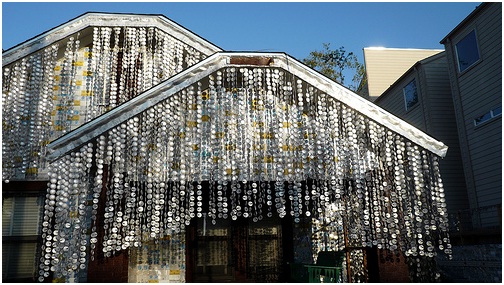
258	142
251	138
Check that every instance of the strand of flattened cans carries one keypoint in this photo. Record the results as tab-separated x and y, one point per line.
65	244
116	154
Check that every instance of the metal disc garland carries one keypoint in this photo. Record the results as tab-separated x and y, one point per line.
54	90
257	142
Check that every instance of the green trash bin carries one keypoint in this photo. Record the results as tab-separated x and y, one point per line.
323	274
328	267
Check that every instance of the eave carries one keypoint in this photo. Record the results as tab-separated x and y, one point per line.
465	21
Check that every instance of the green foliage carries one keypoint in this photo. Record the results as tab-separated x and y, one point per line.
334	63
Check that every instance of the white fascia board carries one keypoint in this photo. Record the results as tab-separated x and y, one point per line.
108	20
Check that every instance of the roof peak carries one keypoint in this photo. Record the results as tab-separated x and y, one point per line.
98	19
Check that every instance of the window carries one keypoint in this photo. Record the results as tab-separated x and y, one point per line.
488	116
20	237
467	51
410	95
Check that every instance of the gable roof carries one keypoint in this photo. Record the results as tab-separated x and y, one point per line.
171	86
93	19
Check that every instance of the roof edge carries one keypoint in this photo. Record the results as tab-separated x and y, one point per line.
106	19
403	49
138	104
465	20
365	107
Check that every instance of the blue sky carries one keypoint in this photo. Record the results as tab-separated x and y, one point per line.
292	27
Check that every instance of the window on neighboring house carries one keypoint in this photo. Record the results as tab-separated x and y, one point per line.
410	95
20	237
488	116
467	51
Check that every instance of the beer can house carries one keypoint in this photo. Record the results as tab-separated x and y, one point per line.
197	161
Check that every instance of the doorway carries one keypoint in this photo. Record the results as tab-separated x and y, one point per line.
234	251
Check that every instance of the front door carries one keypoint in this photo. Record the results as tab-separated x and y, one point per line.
234	251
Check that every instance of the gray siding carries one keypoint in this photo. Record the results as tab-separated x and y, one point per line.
476	91
393	101
434	114
440	115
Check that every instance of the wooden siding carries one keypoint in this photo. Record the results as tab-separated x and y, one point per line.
434	114
442	125
393	101
476	91
385	65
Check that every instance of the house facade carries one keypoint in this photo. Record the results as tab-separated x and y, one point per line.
474	53
456	97
50	83
136	151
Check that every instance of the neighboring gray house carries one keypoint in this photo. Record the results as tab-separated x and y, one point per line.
456	96
422	97
474	53
469	71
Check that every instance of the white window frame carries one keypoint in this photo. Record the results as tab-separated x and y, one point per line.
494	113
